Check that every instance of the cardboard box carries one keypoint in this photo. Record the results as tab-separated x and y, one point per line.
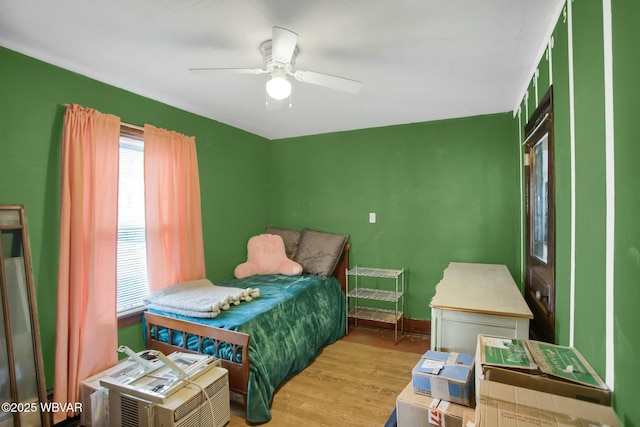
539	366
469	419
417	410
503	405
446	376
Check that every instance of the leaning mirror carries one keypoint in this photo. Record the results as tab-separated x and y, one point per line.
22	383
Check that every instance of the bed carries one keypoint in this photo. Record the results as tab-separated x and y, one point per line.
264	342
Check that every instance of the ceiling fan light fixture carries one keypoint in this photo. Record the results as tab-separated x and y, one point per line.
278	57
278	87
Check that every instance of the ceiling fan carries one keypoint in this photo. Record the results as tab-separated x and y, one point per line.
279	57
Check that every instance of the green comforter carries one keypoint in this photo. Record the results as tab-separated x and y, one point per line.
289	324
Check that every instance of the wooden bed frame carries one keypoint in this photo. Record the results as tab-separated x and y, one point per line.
239	342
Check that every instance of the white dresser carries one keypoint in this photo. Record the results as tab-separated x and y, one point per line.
474	299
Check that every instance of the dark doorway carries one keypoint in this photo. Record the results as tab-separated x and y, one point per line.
540	211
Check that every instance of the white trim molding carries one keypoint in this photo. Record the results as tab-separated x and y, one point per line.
523	244
556	16
611	191
550	59
572	145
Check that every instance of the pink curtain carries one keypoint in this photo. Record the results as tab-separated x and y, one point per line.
86	328
175	249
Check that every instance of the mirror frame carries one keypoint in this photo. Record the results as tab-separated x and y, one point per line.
45	417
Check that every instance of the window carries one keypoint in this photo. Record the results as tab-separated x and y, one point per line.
132	281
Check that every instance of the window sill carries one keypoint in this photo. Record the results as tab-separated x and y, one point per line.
130	317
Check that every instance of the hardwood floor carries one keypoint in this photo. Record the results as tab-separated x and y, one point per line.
353	382
413	343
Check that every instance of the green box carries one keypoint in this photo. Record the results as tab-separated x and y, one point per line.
539	366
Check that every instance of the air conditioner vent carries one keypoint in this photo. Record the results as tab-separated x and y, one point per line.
129	411
211	390
217	385
221	409
199	418
85	397
188	406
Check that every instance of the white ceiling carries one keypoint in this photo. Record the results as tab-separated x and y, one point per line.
418	60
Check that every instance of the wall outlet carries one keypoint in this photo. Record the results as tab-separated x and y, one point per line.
372	218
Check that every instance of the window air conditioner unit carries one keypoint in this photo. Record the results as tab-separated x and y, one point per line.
186	407
94	397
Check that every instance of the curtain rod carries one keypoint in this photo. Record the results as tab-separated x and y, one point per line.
125	124
132	126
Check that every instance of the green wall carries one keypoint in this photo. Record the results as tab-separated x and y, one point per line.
442	191
588	63
234	190
590	332
562	159
626	92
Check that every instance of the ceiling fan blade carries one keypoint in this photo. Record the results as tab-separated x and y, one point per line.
327	80
283	44
227	70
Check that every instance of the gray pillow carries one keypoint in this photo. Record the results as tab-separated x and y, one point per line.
289	237
318	253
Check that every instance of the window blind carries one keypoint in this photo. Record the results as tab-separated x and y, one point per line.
132	278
